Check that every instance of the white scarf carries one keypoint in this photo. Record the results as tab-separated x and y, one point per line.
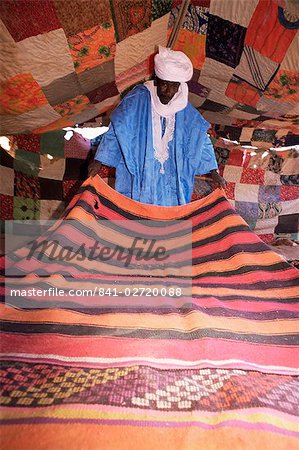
177	103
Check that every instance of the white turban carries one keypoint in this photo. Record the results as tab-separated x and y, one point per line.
173	65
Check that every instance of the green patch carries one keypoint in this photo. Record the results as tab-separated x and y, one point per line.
106	25
26	209
52	143
160	8
105	51
284	79
84	51
27	162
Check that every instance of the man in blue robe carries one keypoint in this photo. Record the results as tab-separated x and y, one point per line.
157	140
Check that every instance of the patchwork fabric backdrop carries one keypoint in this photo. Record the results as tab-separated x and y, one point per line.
264	188
69	61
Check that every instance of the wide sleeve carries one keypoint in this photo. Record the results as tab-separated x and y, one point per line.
116	145
109	152
207	160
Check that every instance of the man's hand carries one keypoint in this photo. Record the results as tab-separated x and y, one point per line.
94	168
218	179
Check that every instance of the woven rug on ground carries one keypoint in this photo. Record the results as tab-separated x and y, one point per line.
216	369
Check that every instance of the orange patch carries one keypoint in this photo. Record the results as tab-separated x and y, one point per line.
57	125
93	47
193	45
71	107
284	87
128	437
243	93
21	94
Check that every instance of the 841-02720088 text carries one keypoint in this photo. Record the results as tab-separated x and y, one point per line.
141	292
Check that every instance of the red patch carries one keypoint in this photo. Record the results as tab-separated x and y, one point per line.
24	18
70	188
253	176
230	190
242	92
289	193
6	202
267	238
246	160
107	172
29	142
235	158
266	34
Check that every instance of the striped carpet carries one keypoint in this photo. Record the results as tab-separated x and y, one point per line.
207	360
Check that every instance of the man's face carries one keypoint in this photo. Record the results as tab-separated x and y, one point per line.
166	90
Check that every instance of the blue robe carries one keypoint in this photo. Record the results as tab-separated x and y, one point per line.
128	146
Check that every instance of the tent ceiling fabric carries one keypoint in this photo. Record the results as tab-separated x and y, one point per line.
69	61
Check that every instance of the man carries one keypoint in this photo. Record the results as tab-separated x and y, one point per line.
157	140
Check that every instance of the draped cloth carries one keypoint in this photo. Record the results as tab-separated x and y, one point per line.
214	370
128	146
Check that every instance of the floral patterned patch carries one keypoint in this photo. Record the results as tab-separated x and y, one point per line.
253	176
249	211
269	193
275	163
74	106
130	17
221	154
263	135
224	41
93	47
21	94
196	18
284	87
268	210
290	180
289	193
26	209
26	186
230	190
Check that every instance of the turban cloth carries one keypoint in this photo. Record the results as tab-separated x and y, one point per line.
173	65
